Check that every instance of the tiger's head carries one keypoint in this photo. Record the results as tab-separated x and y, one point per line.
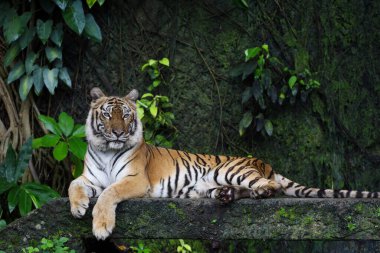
112	123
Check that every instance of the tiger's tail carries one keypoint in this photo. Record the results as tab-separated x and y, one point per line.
291	188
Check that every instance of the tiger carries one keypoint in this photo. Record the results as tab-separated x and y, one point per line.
120	165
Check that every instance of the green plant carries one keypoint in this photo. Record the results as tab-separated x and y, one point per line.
22	195
154	110
34	41
269	82
183	248
65	137
140	248
351	226
55	245
378	212
287	214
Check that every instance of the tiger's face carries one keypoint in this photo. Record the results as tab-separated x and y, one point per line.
112	122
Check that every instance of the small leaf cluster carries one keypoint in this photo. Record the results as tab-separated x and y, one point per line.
269	83
55	245
140	248
34	53
65	136
154	110
21	195
183	248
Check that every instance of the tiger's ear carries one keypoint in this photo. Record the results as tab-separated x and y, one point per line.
96	93
133	95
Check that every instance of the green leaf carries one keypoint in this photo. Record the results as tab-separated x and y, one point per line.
26	84
91	29
3	224
101	2
156	83
61	3
57	34
9	166
78	147
78	166
268	127
38	80
64	76
292	81
60	151
13	198
79	131
24	157
11	54
66	124
5	185
265	47
47	141
247	94
140	112
44	30
15	25
39	193
50	78
17	71
50	124
53	53
29	62
251	53
153	109
27	37
74	16
164	61
245	122
90	3
25	203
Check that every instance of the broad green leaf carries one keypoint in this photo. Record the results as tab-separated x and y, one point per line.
64	76
251	53
265	47
39	193
90	3
47	141
13	198
101	2
245	122
11	54
79	131
53	53
77	147
57	34
47	5
50	78
17	71
247	94
38	80
44	30
147	95
15	25
77	169
156	83
50	124
9	165
268	127
27	37
60	151
153	109
164	61
61	3
29	62
152	62
140	112
24	157
5	185
292	81
74	16
26	84
3	224
66	124
91	29
25	202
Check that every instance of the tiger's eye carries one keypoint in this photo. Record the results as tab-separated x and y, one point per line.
106	114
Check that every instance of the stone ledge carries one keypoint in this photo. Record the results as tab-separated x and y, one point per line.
274	219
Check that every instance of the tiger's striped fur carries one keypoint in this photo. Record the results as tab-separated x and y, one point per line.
120	165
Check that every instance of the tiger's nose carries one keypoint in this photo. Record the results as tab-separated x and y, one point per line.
118	133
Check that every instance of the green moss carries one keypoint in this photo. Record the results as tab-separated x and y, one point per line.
177	210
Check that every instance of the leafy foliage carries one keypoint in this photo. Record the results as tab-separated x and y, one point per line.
55	245
154	110
269	83
34	52
65	137
22	195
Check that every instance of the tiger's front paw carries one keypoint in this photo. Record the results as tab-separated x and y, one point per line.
79	204
103	221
